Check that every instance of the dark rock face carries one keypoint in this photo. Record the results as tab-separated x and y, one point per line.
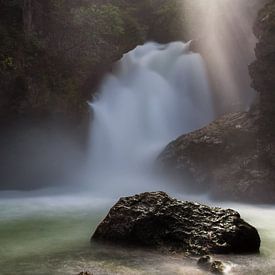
157	220
229	158
234	157
263	71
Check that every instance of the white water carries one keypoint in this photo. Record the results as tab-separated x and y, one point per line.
156	93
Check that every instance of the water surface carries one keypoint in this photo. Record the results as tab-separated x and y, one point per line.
50	235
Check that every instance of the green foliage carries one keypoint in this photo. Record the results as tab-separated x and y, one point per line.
55	67
168	22
8	63
106	20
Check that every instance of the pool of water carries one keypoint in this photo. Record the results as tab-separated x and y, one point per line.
47	234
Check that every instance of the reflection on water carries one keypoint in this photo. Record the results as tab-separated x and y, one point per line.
50	235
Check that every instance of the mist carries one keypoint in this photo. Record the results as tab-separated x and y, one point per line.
40	154
223	34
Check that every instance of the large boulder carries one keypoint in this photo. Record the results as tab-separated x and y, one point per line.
157	220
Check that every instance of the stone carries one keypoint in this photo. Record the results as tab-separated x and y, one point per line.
205	261
156	220
229	159
217	267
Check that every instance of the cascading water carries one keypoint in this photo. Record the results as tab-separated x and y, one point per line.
157	93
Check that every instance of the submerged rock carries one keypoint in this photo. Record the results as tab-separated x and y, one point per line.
208	263
205	261
157	220
217	267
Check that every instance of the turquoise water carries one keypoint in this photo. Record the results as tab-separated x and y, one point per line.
38	235
50	235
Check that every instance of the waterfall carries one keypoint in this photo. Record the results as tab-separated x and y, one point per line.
156	93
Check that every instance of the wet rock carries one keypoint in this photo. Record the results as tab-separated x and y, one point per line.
159	221
217	267
229	158
208	263
205	261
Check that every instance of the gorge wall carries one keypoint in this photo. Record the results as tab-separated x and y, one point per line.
262	71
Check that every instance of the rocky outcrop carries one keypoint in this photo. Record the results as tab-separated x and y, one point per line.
227	158
234	157
157	220
263	70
